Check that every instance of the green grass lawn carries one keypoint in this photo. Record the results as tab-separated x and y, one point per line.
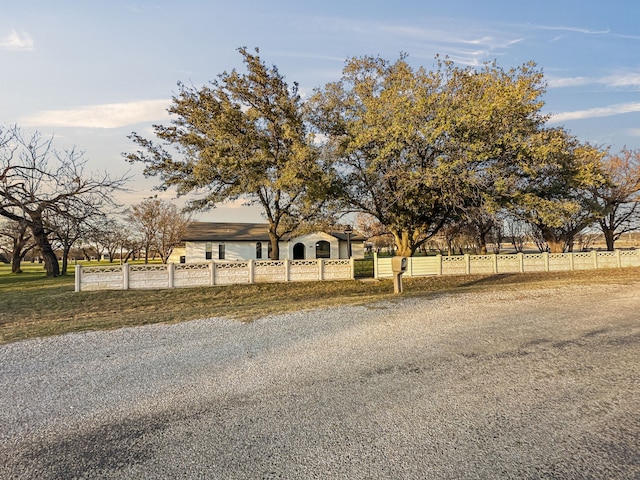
32	305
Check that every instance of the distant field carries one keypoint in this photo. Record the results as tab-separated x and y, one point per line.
32	305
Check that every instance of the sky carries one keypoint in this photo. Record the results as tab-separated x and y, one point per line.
91	72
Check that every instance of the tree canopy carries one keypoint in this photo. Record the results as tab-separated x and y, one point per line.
619	197
417	149
241	136
39	186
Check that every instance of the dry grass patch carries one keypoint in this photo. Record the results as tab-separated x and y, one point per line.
34	306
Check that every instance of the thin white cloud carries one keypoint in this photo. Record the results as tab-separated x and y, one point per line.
617	80
15	40
609	111
561	28
622	80
556	82
113	115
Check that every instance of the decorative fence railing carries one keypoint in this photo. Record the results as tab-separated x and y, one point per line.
510	263
125	277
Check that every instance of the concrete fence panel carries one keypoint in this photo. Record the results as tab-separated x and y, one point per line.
514	263
123	277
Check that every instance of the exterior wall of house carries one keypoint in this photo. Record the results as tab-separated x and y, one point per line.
195	252
309	241
357	249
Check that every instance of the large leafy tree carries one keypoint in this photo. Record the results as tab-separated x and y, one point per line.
418	149
39	184
241	136
380	122
554	188
619	197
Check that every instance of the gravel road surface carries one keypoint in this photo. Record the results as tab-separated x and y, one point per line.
515	384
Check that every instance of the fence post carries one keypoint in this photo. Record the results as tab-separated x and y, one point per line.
320	269
352	264
250	267
439	265
125	276
594	254
78	285
545	255
618	260
571	267
286	270
170	274
495	263
212	272
521	261
467	263
375	264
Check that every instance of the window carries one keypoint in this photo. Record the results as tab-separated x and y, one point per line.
221	251
323	249
258	250
208	248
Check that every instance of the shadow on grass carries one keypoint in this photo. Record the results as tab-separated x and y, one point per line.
490	280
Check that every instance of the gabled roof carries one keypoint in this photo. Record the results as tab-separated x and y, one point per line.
221	232
247	232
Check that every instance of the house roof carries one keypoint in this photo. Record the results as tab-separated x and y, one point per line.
251	232
217	231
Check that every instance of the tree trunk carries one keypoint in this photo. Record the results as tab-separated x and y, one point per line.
482	240
16	261
65	260
609	238
274	240
51	265
402	239
555	245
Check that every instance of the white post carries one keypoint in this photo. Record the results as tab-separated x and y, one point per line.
352	263
439	265
125	276
320	269
595	259
78	278
250	266
571	266
521	260
495	263
170	274
618	260
467	263
375	264
212	273
546	261
286	270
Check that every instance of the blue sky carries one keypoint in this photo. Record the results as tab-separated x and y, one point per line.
90	72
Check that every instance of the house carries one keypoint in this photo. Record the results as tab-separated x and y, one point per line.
250	241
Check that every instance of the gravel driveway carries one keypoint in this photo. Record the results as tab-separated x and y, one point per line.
514	384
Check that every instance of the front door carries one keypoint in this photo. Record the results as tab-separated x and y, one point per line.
298	251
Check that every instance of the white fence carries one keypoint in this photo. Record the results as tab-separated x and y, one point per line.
513	263
176	275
